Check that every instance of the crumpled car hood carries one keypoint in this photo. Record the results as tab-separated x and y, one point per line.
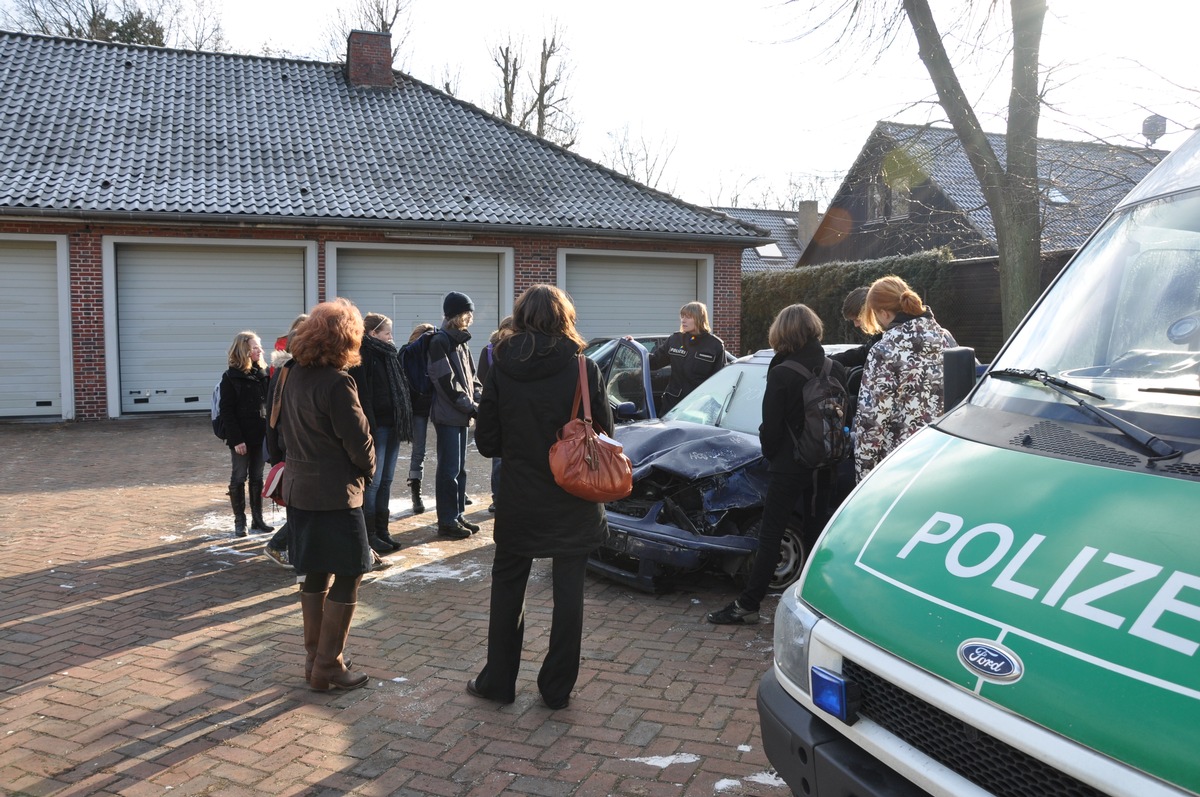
687	450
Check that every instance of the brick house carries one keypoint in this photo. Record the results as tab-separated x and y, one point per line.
154	202
912	189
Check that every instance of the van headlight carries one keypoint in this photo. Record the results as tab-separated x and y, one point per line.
794	622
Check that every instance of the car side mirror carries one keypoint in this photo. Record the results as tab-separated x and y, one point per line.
958	374
627	411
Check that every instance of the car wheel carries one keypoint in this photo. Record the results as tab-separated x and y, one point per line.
792	555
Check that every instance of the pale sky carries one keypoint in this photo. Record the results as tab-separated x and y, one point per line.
744	102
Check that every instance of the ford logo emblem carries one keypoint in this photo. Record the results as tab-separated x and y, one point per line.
991	661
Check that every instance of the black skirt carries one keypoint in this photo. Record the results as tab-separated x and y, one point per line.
331	541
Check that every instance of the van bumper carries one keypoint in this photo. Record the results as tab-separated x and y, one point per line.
814	759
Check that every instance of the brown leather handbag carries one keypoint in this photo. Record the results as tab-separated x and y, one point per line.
583	464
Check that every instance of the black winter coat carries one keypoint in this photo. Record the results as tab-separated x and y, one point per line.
526	401
244	407
783	405
693	358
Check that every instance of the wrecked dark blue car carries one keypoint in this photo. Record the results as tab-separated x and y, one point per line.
699	480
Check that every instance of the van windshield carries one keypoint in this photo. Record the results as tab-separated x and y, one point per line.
1124	320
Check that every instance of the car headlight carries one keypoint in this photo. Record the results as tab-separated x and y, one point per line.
794	622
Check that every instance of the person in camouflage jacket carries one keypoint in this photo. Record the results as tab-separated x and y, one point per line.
902	382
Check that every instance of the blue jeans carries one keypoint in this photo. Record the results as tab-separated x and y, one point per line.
416	463
451	486
379	492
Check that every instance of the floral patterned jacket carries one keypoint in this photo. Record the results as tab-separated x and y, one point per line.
902	388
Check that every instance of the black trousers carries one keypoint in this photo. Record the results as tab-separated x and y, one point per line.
506	627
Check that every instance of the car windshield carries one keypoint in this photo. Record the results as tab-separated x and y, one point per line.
731	399
1122	322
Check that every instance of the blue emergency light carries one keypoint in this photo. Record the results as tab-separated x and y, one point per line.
834	694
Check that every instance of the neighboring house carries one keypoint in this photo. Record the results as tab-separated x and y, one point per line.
790	231
155	202
912	189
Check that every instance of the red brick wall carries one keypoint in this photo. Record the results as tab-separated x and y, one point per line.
535	261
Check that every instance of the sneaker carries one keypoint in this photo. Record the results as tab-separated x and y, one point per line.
733	614
277	556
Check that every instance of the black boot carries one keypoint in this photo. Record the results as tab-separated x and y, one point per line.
377	545
237	498
418	504
256	510
381	529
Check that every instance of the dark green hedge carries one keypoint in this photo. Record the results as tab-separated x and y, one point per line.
824	287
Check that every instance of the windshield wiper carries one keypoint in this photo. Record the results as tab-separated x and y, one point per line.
728	400
1182	391
1159	448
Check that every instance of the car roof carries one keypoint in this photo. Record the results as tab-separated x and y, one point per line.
764	355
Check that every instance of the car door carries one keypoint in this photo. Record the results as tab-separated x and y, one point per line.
627	382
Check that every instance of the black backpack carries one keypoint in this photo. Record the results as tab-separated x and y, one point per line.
218	427
825	440
414	358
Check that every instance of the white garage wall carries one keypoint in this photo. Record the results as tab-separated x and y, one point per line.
175	308
35	328
407	283
620	293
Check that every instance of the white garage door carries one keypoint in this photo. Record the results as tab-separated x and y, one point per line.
30	368
179	307
630	295
408	286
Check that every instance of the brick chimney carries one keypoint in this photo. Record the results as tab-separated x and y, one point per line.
369	60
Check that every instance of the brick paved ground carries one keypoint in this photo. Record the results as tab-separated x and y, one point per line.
146	651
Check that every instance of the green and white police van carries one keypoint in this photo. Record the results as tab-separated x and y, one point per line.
1009	604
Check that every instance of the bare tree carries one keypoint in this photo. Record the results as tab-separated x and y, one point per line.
200	28
90	19
1010	188
382	16
195	26
542	106
638	158
507	58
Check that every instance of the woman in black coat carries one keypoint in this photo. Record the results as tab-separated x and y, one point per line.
526	400
795	335
384	395
243	412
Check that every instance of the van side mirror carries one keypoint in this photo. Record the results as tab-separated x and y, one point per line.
958	374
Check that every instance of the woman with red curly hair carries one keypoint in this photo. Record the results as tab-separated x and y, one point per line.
321	432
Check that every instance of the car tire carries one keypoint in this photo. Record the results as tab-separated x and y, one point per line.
792	556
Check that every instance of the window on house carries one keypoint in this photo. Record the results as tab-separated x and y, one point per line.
1055	196
769	250
887	199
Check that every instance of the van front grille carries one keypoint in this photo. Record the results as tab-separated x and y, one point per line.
987	762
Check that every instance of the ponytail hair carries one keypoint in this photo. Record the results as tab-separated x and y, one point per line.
890	294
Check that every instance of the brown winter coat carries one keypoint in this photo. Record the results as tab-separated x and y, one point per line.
323	437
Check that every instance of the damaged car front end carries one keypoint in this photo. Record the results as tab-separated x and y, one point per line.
699	484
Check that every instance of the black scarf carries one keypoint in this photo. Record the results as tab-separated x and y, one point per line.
389	355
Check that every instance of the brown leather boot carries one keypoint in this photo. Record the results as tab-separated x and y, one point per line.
329	669
312	606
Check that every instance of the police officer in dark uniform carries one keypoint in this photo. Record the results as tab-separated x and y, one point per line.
693	352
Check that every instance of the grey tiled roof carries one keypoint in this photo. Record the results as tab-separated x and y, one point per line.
1093	177
88	128
775	222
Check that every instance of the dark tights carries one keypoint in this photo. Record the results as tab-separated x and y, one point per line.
344	589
